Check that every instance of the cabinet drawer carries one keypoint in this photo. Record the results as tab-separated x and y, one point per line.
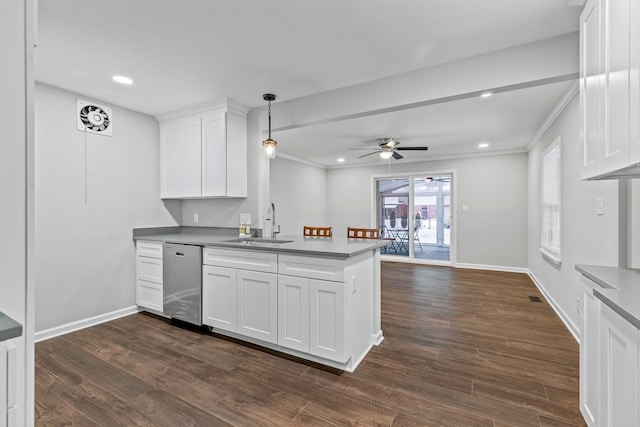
149	295
313	268
241	259
149	269
149	249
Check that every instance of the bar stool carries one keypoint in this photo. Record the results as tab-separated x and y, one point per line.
317	231
363	233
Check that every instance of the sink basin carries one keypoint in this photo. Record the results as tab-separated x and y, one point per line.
248	241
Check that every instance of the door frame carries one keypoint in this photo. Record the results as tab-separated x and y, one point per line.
410	176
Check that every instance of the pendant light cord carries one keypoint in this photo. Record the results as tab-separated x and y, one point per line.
269	119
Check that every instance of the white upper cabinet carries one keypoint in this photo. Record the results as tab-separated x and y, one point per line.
180	165
609	88
203	152
634	83
590	88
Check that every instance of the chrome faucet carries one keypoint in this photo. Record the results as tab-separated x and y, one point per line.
271	216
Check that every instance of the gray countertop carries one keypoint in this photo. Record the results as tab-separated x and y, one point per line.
9	328
329	247
620	289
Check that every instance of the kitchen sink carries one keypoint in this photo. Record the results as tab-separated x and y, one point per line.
248	241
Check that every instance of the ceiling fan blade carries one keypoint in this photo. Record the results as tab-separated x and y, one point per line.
397	155
368	154
412	148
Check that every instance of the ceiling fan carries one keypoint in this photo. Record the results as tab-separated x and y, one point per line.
388	147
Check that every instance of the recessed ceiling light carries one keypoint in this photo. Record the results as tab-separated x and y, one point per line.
340	160
123	80
485	94
483	145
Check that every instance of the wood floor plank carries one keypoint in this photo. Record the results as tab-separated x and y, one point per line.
447	359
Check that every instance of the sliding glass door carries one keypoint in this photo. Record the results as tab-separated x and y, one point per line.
414	215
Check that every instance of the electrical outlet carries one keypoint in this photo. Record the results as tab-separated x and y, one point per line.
578	305
195	218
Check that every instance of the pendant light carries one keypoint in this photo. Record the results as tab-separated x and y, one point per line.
269	145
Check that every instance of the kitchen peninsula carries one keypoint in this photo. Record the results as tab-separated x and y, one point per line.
314	298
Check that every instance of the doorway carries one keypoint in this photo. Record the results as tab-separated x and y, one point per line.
414	215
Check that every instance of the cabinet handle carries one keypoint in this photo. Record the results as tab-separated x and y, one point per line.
179	253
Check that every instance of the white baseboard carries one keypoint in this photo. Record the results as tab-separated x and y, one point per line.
492	267
84	323
561	314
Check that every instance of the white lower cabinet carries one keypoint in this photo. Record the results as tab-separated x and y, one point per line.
8	378
219	297
609	365
257	305
590	359
619	371
312	316
293	313
241	300
327	320
149	275
312	306
243	293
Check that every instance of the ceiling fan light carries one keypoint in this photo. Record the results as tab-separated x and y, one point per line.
386	154
269	147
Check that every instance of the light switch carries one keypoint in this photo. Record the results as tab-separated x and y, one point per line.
600	206
195	218
465	208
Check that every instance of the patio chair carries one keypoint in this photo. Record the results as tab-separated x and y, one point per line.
416	237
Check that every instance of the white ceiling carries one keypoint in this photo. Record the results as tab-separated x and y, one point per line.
186	52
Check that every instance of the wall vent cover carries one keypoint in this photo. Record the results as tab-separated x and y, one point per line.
94	118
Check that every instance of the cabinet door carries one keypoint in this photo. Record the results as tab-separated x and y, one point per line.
180	158
214	154
620	369
4	380
590	359
615	62
327	320
258	305
219	297
590	88
236	155
293	313
634	79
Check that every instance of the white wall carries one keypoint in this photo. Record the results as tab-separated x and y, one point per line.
85	256
299	192
16	146
492	233
586	238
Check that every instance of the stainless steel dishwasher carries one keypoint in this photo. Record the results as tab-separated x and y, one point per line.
182	282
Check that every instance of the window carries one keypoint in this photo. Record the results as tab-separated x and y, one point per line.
550	189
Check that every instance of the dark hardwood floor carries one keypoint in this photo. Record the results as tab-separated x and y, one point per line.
462	347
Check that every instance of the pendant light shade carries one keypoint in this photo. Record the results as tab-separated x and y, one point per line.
269	145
